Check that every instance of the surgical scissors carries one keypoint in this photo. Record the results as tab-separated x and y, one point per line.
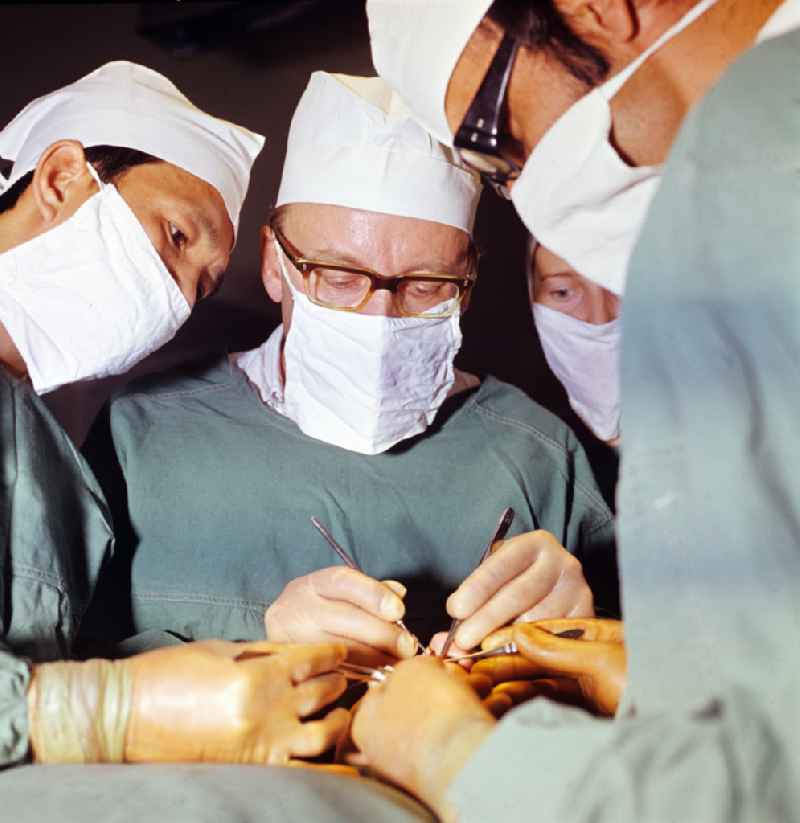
503	525
348	561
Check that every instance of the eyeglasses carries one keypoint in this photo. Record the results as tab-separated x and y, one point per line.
477	141
344	288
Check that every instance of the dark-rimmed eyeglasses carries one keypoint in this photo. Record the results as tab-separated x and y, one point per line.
346	288
477	141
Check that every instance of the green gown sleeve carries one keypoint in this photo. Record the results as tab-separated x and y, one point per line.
554	764
55	528
14	678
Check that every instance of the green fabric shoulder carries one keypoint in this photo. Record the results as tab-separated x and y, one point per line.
529	429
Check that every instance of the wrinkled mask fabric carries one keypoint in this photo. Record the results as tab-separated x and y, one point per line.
89	298
365	382
577	196
585	358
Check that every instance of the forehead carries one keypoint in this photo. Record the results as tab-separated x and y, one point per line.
174	193
547	262
373	239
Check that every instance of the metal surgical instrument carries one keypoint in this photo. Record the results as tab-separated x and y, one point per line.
511	647
503	525
364	674
348	561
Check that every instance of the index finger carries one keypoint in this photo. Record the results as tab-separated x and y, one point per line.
509	559
353	586
302	661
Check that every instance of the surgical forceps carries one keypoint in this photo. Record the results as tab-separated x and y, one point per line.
503	525
348	561
511	647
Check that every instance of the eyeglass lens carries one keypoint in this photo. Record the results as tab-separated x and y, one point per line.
340	289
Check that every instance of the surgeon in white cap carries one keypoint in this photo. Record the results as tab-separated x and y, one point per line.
574	105
119	214
352	412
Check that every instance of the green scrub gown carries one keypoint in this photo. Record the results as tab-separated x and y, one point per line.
709	503
55	533
220	490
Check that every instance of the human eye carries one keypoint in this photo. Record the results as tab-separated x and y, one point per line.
562	290
176	235
340	279
561	295
424	287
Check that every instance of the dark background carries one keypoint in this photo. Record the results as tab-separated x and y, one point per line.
249	63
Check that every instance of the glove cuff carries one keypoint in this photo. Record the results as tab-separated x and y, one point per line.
78	712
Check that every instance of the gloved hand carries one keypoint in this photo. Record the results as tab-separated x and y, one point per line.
596	662
499	697
419	728
339	604
209	701
529	577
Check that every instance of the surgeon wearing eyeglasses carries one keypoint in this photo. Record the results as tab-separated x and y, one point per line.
353	412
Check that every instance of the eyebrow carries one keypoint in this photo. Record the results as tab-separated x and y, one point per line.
565	273
202	220
328	255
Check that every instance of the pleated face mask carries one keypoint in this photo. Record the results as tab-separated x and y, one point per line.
577	196
585	358
89	298
365	382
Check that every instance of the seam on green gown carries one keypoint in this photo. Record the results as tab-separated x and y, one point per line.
518	424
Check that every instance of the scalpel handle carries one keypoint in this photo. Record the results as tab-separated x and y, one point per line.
503	525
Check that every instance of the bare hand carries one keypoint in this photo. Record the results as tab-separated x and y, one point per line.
529	577
343	605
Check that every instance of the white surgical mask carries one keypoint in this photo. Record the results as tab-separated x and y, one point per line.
90	297
585	358
577	196
365	382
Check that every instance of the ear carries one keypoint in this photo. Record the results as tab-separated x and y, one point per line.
271	275
61	182
603	23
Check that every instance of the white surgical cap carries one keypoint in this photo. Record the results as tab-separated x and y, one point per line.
127	105
415	47
353	143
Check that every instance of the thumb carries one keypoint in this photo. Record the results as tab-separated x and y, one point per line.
553	654
398	588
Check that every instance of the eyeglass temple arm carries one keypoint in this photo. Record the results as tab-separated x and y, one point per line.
492	88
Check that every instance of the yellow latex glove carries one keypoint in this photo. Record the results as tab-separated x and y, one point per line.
596	662
209	701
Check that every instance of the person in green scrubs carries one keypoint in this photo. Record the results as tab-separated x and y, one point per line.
107	239
353	413
707	726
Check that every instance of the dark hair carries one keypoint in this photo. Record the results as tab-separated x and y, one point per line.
110	162
538	25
